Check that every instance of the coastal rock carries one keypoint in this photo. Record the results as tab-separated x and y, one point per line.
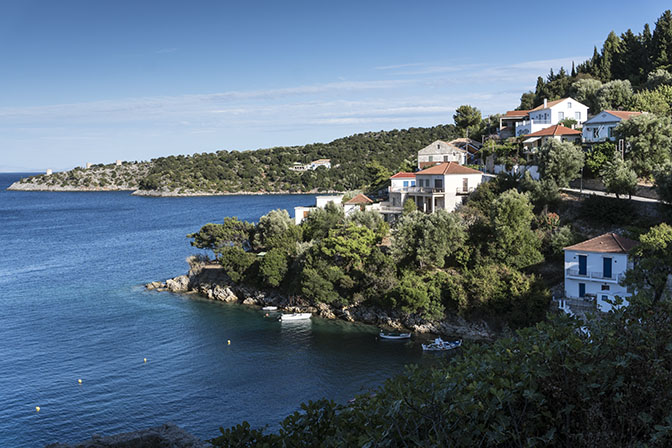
178	284
155	285
168	435
224	293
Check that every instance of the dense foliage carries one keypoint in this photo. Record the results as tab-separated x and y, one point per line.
470	262
560	383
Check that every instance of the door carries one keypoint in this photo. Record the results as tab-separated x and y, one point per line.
465	184
583	264
582	290
606	270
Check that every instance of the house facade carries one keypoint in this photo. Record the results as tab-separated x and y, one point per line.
508	122
400	185
302	212
556	132
440	152
443	186
550	113
595	268
600	128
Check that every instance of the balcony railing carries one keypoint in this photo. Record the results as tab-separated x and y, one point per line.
593	275
425	190
464	190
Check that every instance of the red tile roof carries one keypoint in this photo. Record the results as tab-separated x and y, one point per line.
402	174
359	199
556	129
515	113
623	114
448	168
549	104
608	243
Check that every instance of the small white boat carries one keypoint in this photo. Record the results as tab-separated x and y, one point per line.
295	316
269	308
394	336
439	345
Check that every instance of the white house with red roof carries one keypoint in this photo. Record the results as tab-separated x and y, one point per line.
594	269
556	132
443	186
600	128
439	152
550	113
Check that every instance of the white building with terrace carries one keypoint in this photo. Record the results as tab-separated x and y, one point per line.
550	113
594	270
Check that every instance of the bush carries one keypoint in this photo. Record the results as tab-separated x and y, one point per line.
600	210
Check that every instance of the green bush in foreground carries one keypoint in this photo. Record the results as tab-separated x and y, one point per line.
549	385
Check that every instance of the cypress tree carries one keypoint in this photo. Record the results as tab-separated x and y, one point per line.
662	42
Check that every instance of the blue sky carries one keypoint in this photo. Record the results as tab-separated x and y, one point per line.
96	81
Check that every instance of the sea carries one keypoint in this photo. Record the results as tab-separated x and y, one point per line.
73	307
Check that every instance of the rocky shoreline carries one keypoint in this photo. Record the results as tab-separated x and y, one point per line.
209	280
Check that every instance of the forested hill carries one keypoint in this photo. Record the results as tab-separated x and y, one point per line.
630	72
361	161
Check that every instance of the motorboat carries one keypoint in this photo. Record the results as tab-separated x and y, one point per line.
439	344
269	308
394	336
295	316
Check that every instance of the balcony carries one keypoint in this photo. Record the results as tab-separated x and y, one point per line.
594	276
460	191
427	190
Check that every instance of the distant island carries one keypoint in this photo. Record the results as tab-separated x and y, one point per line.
361	161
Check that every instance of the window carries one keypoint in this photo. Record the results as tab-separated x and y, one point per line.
438	183
605	287
569	104
561	116
412	183
583	264
606	267
582	290
611	132
431	158
577	115
596	132
405	183
465	184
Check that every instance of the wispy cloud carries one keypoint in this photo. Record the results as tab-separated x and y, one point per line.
166	50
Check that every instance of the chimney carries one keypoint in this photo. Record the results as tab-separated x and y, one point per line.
118	162
545	103
49	172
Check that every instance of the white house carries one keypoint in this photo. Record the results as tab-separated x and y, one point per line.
556	132
301	212
399	187
594	268
550	113
600	128
439	152
472	147
443	186
315	164
359	202
508	122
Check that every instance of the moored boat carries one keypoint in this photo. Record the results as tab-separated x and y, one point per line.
439	345
269	308
295	316
394	336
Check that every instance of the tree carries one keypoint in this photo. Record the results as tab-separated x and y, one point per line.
598	155
560	161
526	101
467	118
661	42
648	141
664	184
652	263
657	78
657	101
514	242
615	95
273	267
619	177
428	241
276	230
585	92
318	223
371	219
409	206
232	233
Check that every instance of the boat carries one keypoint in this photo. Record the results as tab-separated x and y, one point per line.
295	316
269	308
439	345
394	336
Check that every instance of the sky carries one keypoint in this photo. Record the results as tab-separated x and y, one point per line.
96	81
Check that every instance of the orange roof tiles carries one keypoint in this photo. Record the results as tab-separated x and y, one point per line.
448	168
556	129
359	199
402	174
549	104
515	113
607	243
623	114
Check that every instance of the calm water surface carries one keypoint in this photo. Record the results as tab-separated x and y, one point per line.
72	306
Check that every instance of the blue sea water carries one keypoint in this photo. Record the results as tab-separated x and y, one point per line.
72	306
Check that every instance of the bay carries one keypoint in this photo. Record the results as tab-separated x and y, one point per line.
72	306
